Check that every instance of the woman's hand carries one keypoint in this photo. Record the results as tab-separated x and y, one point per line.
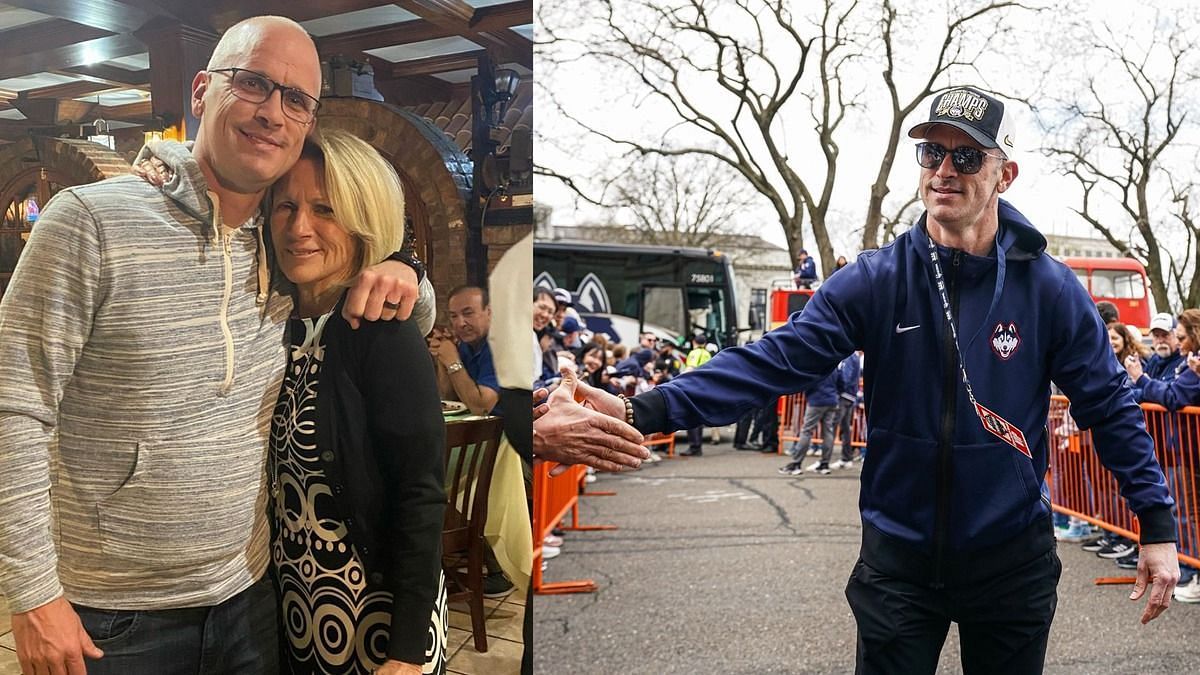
1193	361
1133	366
394	667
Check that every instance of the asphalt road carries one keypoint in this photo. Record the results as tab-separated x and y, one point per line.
721	565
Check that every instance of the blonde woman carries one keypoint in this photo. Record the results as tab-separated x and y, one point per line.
356	465
1120	337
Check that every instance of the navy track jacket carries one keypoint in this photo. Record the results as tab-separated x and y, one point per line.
934	477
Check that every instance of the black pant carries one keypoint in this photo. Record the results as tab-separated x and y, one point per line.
1003	621
767	423
695	438
518	428
743	428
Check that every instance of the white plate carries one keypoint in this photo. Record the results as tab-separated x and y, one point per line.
453	407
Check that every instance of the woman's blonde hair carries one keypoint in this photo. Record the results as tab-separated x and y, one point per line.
364	192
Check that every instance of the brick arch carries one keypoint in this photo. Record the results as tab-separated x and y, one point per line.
436	176
43	166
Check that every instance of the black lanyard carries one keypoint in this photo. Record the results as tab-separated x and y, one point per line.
941	286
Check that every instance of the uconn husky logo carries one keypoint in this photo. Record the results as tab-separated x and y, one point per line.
1005	340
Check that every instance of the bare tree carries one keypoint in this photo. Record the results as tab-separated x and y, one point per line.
713	63
766	65
967	35
672	200
1117	139
681	200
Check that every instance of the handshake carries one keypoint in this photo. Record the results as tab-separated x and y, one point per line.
579	424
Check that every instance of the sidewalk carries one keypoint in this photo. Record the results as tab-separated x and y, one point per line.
721	564
503	656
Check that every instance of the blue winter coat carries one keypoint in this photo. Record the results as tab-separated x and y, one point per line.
934	478
824	392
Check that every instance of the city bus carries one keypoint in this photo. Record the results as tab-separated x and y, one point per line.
667	290
1121	281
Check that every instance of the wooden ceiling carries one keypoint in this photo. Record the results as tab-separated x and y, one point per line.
89	58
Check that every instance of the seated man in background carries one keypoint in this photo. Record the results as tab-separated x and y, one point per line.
466	372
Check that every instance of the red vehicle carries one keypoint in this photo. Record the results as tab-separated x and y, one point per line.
1121	281
785	302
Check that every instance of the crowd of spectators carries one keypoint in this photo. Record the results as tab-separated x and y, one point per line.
1168	374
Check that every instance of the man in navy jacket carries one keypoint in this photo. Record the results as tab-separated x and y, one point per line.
954	526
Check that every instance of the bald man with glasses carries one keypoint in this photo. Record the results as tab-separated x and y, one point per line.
141	353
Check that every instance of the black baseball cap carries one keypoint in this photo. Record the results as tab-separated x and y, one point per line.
983	117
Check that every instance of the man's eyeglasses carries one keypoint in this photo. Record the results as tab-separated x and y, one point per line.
254	87
965	158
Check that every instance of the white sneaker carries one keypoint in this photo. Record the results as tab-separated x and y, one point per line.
814	465
1189	592
549	552
654	457
813	452
841	464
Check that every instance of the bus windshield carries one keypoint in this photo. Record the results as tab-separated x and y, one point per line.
678	291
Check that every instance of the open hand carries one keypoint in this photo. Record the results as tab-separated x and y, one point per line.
1158	565
567	432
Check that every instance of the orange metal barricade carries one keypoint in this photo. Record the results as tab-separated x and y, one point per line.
553	497
661	439
791	423
1081	487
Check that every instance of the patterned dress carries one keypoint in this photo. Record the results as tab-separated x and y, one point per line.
334	620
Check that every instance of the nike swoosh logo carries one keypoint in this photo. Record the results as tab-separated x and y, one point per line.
905	329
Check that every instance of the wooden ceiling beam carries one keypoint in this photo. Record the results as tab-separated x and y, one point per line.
69	90
436	64
109	15
417	89
102	73
45	35
187	12
91	51
457	16
404	32
507	15
138	110
228	12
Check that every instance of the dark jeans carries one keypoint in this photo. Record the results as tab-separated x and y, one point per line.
1003	621
695	438
238	636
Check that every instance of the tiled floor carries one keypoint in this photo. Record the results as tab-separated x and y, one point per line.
503	657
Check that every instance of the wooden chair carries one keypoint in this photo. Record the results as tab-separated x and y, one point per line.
471	447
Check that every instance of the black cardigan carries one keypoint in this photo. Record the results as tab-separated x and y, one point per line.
381	438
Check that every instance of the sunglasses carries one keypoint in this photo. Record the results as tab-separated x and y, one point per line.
965	158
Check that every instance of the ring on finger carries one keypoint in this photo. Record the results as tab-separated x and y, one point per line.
391	305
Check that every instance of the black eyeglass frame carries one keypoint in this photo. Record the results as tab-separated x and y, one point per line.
283	91
966	160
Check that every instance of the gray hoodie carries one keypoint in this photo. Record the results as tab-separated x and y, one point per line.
141	355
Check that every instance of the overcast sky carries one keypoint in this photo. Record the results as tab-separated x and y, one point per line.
1049	58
